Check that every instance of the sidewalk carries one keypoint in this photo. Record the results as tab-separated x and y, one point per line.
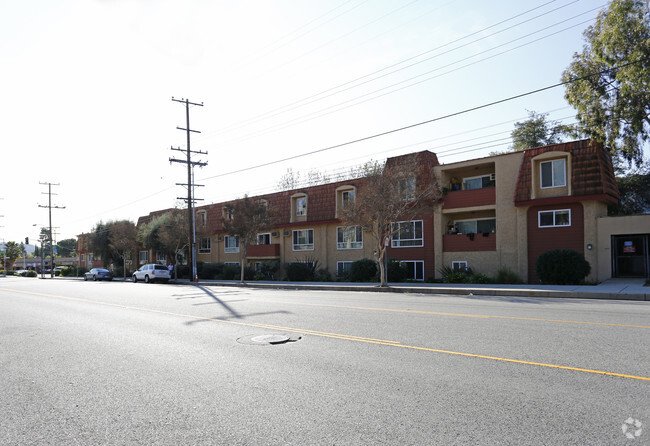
617	289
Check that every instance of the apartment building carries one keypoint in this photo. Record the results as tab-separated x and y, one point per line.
500	211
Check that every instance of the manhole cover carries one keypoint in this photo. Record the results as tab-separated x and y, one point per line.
268	339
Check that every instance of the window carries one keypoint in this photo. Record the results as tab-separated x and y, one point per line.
160	257
343	268
228	213
230	244
553	173
347	198
460	265
203	218
477	182
205	245
407	233
407	188
415	269
349	237
303	240
264	239
144	257
83	258
481	225
550	219
301	206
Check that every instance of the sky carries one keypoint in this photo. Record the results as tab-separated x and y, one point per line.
87	91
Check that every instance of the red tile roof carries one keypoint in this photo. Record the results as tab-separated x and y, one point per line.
592	173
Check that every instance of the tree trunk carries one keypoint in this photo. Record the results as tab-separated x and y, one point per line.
382	267
242	262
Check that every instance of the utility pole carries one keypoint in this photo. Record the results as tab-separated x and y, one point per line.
190	182
50	207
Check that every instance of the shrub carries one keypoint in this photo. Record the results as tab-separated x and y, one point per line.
322	275
456	277
230	272
68	271
268	269
209	270
299	272
480	278
364	270
397	271
562	267
506	276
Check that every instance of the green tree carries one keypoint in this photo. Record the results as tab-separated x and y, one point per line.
537	131
634	189
66	247
609	81
122	235
249	218
168	233
14	250
100	245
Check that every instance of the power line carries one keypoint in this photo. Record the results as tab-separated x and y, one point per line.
365	97
339	89
429	121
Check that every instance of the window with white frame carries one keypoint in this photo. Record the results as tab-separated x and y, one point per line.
478	182
415	269
349	237
205	245
301	206
479	225
343	268
264	239
347	198
303	240
161	257
144	257
228	213
230	244
407	188
407	233
550	219
203	218
553	173
459	265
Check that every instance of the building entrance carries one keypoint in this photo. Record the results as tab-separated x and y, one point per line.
630	256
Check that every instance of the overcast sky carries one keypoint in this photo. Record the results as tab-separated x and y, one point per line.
87	88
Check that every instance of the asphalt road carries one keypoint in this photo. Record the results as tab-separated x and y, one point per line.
123	363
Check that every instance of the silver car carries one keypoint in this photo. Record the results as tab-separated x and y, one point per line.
152	273
98	274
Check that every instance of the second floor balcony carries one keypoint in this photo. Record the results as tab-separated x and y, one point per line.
263	251
455	199
469	242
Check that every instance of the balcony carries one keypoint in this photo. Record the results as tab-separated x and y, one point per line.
263	251
469	198
469	242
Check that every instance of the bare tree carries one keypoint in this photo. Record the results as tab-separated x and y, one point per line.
122	239
398	191
249	217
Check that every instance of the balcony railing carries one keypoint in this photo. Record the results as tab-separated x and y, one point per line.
469	198
469	242
263	251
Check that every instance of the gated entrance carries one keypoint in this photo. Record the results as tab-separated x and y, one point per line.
630	255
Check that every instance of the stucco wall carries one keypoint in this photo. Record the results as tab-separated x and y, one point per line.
608	226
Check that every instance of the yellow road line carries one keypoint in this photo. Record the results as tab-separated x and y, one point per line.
338	336
478	316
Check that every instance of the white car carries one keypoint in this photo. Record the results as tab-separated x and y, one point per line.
152	273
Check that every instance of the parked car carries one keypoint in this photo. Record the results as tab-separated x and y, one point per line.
152	273
98	274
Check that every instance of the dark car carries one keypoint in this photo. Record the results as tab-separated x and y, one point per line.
98	274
